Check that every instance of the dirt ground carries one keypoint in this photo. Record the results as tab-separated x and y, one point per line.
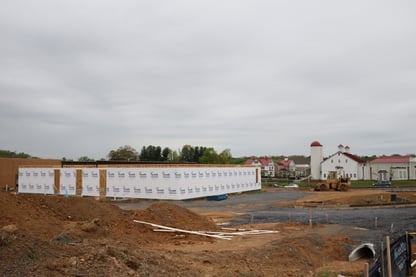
58	236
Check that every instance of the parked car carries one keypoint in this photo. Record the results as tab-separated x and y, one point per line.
382	183
293	185
277	185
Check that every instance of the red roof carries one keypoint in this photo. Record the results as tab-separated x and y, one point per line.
285	162
262	161
391	159
316	143
353	157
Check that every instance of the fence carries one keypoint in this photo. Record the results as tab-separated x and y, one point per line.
395	259
168	183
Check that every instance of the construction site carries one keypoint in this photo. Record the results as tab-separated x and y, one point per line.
308	235
126	221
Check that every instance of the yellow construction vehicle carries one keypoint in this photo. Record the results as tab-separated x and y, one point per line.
334	181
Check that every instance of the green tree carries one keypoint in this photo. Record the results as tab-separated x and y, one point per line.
225	156
165	153
174	156
85	159
144	156
123	153
210	156
187	153
190	153
239	160
154	153
198	152
13	154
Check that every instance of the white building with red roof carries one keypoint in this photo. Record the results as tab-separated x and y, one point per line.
396	167
347	164
390	167
267	165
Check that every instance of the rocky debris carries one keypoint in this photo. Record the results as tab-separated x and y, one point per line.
7	234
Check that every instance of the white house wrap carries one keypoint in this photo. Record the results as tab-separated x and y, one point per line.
36	180
90	182
67	181
150	182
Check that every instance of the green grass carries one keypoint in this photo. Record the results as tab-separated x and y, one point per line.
369	183
267	182
326	273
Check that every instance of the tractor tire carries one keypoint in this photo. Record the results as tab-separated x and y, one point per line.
323	187
343	187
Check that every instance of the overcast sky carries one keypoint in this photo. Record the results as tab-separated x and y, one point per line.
82	77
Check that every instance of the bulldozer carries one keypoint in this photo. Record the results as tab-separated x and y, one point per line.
334	181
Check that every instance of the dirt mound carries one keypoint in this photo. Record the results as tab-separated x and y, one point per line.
58	236
27	215
166	214
44	216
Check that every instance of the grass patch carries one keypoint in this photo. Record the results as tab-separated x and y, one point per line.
6	238
369	183
269	182
326	273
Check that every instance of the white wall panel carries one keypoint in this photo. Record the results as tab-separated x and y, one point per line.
67	181
90	182
36	180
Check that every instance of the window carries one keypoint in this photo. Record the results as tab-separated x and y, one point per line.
402	174
355	175
332	161
346	161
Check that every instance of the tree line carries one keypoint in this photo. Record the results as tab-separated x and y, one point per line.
188	153
13	154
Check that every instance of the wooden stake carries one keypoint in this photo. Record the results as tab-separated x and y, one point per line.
389	273
366	270
310	218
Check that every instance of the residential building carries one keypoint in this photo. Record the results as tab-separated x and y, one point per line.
286	168
302	165
267	165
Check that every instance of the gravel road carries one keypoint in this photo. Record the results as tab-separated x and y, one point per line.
260	208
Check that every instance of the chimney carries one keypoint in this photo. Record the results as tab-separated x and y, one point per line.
341	148
347	149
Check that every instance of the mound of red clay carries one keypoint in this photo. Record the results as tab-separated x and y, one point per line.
45	215
46	235
170	215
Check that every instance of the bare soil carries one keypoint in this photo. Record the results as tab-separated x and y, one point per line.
58	236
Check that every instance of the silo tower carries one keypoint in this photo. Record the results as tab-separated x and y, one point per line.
317	156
